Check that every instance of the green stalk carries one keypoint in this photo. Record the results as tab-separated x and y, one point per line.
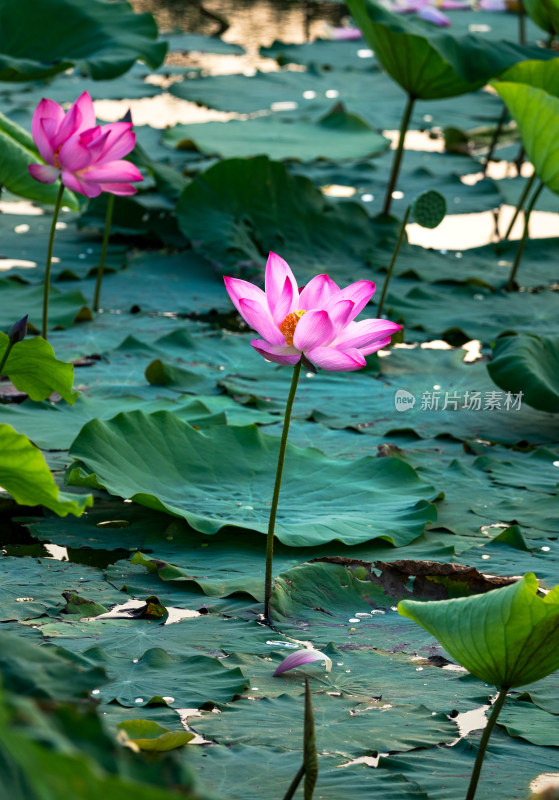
46	287
101	267
5	356
277	487
511	281
521	23
294	783
495	139
394	257
495	711
520	205
310	756
398	155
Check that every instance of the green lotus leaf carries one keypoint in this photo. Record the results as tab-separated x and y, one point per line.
32	368
431	65
150	736
336	135
240	208
508	637
545	13
224	477
101	39
537	115
538	74
17	151
25	475
528	364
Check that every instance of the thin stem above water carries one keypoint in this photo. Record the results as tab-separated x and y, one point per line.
522	244
520	205
393	261
277	487
101	267
46	287
495	711
398	154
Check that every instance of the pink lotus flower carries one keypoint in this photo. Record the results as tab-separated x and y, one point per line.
87	156
316	321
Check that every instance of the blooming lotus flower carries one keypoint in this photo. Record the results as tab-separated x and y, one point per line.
86	156
300	658
316	321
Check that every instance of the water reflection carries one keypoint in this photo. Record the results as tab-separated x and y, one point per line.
245	22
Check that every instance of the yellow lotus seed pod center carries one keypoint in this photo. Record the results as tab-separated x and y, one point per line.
289	324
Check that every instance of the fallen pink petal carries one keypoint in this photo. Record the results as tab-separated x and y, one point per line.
300	658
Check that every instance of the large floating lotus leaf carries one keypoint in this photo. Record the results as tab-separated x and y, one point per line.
537	115
460	313
340	729
226	566
33	368
17	151
16	300
433	64
326	53
33	587
101	39
529	364
508	637
52	426
239	209
509	766
536	471
338	135
370	93
224	477
230	772
24	239
190	681
531	723
117	641
46	755
46	673
545	13
371	407
26	476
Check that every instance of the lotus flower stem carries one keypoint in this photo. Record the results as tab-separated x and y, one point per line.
46	287
277	487
294	785
7	352
399	153
310	758
521	23
520	206
309	768
106	234
393	261
495	139
511	282
495	711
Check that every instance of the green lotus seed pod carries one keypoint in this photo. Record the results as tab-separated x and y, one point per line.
429	209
